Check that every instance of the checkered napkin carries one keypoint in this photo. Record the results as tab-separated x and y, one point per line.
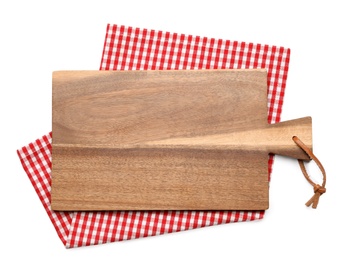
128	48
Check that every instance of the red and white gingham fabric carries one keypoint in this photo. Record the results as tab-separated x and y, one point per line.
128	48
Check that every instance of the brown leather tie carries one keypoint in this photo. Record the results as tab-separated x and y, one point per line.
318	189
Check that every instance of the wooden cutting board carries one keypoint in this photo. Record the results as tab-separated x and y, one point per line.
165	140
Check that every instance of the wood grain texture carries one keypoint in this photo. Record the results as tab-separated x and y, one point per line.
157	140
109	108
159	178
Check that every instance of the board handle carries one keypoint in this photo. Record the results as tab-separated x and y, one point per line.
279	137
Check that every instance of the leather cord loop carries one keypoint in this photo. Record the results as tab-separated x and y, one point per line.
318	189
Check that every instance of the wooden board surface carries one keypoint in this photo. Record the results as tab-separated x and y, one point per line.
159	140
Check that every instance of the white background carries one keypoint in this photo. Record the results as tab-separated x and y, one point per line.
37	37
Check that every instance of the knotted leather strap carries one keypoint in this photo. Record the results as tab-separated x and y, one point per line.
318	189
